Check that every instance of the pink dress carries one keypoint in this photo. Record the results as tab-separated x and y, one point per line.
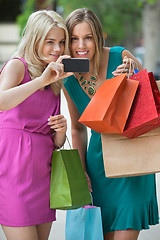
25	159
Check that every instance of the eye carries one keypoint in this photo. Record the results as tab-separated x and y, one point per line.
89	37
62	42
74	39
50	42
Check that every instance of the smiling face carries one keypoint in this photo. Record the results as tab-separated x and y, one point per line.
82	41
54	44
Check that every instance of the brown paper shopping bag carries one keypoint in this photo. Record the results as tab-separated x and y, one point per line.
125	157
109	108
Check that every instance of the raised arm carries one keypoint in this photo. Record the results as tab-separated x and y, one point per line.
12	94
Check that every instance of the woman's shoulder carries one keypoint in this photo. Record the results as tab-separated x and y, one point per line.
14	69
113	50
14	65
117	49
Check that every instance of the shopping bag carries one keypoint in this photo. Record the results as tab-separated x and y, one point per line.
109	108
68	186
124	157
84	224
145	112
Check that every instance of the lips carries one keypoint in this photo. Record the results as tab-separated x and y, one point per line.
54	55
80	53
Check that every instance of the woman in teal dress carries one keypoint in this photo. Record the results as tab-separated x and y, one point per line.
128	204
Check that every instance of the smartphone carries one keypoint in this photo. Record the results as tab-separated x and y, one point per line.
80	65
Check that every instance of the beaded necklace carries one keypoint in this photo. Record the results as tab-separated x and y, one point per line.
88	85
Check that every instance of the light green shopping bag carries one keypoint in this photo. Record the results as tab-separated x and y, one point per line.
68	187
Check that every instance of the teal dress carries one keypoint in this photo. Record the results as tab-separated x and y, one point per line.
125	202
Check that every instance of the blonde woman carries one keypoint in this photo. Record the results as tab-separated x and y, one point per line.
30	85
128	204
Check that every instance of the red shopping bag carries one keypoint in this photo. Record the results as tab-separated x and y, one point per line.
145	112
109	108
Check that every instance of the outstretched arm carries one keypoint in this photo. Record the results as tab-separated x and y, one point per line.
12	94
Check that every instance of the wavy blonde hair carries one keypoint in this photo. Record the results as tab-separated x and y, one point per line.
38	25
86	15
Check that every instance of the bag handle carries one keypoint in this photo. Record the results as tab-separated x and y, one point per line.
132	63
59	147
91	198
68	142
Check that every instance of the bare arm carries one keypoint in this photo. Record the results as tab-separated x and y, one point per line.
12	94
58	123
79	133
126	55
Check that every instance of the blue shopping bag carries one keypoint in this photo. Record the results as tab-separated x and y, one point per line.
84	223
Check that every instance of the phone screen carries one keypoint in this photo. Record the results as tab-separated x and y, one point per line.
80	65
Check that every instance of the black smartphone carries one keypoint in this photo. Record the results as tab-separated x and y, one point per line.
80	65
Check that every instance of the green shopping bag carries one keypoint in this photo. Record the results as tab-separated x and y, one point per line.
68	187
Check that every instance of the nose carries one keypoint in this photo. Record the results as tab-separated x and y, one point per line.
56	47
81	43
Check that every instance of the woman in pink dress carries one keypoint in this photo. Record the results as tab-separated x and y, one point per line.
30	86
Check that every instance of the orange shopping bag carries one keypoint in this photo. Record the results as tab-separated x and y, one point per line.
109	108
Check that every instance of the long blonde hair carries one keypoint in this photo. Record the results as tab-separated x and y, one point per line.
86	15
38	25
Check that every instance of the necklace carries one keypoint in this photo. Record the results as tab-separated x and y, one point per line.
88	85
